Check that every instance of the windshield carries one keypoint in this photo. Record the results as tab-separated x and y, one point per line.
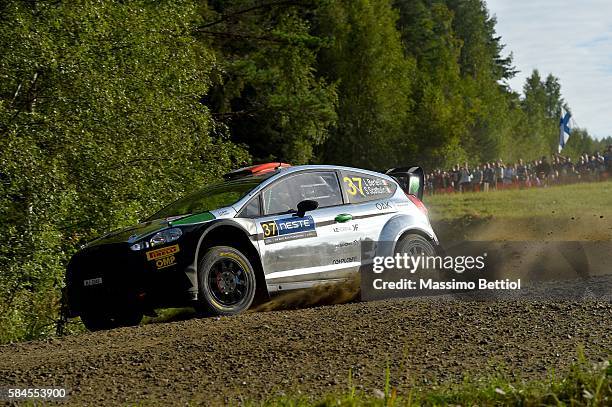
211	197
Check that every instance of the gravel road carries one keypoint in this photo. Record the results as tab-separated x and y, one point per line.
257	356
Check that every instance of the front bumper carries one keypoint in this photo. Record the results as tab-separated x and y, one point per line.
111	277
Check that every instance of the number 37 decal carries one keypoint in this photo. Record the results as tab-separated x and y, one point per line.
269	229
354	185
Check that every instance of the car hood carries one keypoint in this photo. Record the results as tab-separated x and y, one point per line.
133	233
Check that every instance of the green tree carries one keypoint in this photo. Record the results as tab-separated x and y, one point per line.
554	101
101	122
542	105
483	68
374	81
439	121
481	50
578	143
110	109
266	90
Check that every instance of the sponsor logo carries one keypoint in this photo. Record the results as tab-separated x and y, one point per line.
346	244
286	226
381	206
165	262
281	230
163	252
353	228
223	212
92	281
345	260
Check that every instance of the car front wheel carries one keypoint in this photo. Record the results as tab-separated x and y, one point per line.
226	281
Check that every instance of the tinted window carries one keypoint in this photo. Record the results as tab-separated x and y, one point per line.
210	198
363	187
252	209
284	195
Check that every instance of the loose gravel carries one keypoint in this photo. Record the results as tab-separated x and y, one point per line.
257	356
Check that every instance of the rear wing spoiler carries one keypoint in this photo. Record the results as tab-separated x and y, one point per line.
411	179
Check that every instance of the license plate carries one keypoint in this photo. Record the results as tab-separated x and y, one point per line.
92	281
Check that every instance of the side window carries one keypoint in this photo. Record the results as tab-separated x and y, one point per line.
252	209
284	195
363	187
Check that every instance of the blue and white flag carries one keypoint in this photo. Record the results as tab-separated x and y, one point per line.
564	128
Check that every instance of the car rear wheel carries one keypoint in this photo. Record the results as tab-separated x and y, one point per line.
418	246
226	281
415	245
98	321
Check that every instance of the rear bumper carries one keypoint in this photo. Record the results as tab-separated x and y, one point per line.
112	277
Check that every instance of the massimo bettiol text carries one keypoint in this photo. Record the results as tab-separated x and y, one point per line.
423	272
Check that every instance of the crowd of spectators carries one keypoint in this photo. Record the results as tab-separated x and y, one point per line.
497	175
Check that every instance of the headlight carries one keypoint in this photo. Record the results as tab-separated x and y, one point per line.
139	246
162	237
165	236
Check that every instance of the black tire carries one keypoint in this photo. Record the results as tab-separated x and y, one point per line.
96	321
226	281
415	245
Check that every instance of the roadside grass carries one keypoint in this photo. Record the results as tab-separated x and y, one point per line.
584	384
585	200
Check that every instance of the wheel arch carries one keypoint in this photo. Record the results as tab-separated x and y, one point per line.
402	225
229	233
416	231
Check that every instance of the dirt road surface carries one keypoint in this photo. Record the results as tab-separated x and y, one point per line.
257	356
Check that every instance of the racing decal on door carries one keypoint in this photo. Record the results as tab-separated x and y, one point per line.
283	230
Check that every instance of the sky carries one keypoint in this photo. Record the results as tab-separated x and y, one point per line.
570	39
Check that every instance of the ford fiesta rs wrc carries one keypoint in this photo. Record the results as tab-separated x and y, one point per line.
264	229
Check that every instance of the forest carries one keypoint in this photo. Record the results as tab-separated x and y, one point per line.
111	109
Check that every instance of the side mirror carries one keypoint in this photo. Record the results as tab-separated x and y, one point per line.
306	206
